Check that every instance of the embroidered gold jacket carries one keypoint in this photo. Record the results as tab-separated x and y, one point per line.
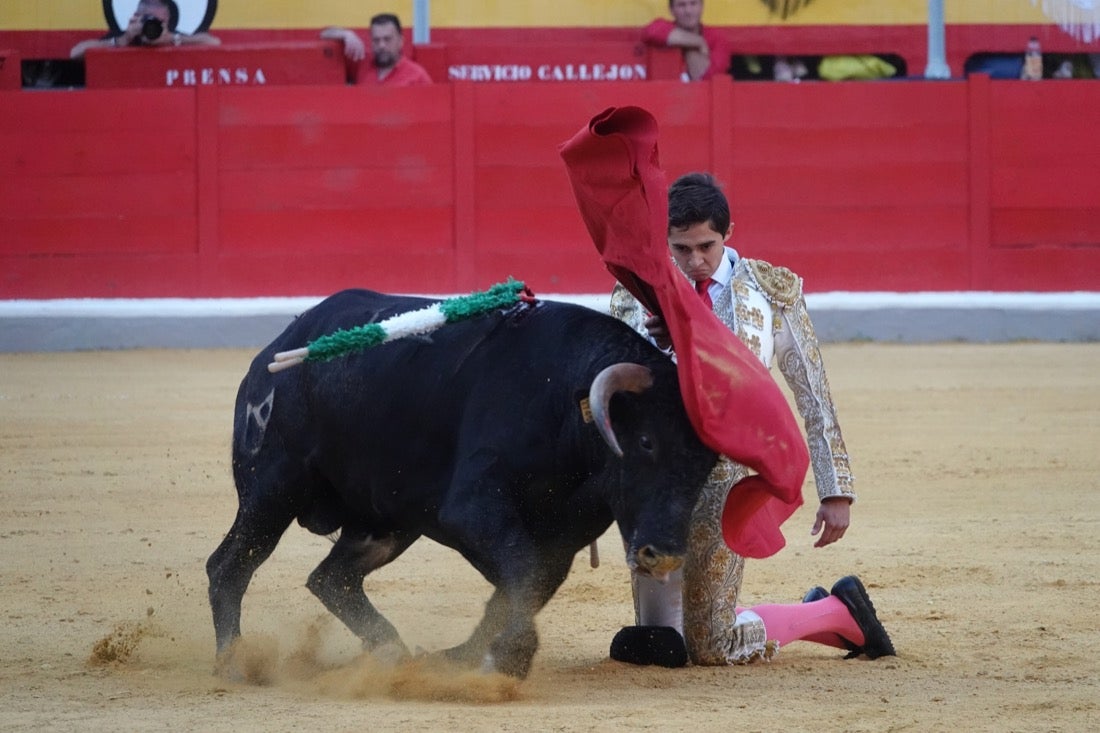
764	306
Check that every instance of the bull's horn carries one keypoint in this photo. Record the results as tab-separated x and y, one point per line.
622	377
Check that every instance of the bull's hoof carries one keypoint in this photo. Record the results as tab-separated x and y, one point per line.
465	655
660	645
248	660
390	654
512	666
512	654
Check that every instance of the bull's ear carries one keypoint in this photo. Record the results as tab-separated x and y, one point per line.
622	377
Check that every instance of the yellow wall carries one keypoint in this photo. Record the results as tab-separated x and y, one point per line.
87	14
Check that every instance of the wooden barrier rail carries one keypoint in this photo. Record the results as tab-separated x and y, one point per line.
218	191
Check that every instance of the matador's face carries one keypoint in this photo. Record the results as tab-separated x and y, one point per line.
698	249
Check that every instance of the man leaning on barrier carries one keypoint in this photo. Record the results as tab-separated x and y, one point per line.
388	65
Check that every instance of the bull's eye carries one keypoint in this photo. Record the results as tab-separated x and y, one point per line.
646	443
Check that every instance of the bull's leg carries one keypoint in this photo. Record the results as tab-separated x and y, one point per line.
478	519
505	640
472	652
250	541
338	583
514	647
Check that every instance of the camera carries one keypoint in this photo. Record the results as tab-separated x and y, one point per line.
152	27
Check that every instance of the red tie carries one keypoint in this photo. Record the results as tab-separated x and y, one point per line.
702	287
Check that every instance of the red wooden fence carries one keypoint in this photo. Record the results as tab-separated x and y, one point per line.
218	191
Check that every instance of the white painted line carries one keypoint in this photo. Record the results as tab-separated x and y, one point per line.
236	307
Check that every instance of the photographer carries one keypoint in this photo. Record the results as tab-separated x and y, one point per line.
152	24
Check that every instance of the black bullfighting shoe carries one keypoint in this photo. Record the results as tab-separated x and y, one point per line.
815	594
876	642
661	645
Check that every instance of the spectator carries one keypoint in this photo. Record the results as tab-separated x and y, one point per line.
388	64
1032	69
763	305
152	24
706	51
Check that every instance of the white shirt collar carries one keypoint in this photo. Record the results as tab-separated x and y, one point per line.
724	273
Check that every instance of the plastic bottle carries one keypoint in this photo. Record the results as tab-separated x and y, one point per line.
1033	61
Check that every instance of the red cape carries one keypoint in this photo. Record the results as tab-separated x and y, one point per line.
732	401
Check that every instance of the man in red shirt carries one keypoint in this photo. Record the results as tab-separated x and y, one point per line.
706	51
388	64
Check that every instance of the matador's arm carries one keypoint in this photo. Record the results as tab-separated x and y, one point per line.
799	360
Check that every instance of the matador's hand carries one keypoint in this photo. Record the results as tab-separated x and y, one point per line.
832	520
658	331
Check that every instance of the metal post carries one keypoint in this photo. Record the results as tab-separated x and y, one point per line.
422	32
937	55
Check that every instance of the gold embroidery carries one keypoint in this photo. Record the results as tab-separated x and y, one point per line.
753	342
751	316
628	310
777	283
712	582
804	370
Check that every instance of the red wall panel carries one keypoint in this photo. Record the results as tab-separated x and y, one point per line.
223	191
117	176
1044	155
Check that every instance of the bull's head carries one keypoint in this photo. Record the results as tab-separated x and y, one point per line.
663	463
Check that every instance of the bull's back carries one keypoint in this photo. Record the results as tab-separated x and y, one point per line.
255	406
395	420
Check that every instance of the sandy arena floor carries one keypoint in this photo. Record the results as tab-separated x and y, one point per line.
977	534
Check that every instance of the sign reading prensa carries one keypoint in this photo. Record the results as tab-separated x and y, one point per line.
316	63
208	76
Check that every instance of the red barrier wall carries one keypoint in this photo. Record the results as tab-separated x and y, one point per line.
221	191
514	45
10	77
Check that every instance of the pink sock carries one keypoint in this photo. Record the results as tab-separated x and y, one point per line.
828	638
822	621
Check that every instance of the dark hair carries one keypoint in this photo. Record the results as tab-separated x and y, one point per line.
696	198
384	18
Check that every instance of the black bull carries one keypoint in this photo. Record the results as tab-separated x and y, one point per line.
473	436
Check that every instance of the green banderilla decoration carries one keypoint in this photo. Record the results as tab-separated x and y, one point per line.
424	320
